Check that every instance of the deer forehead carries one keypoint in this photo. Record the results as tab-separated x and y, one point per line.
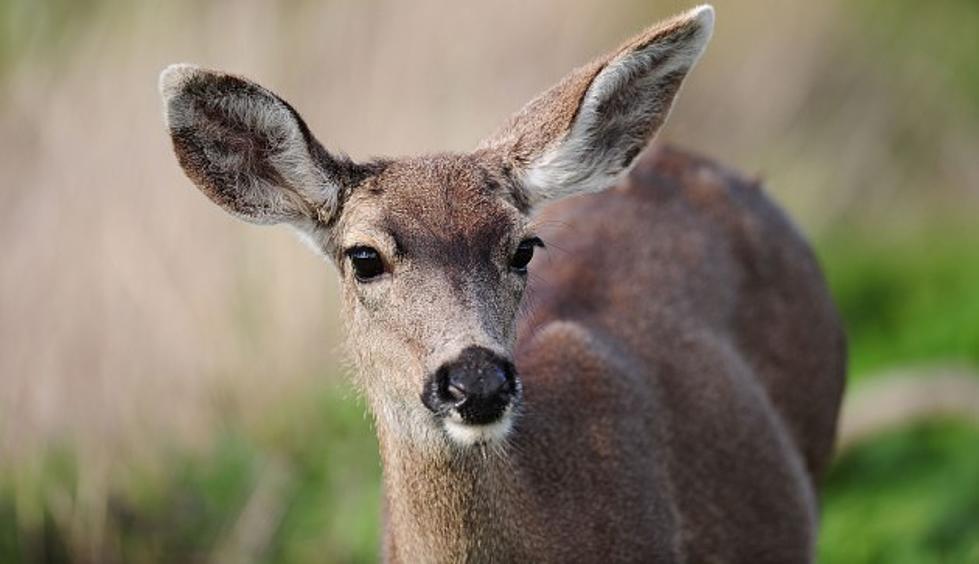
452	209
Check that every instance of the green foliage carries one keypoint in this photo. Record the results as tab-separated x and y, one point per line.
906	298
326	497
912	496
940	32
334	498
186	514
909	497
46	26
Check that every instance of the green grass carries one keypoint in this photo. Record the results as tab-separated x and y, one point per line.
910	497
941	31
906	298
187	508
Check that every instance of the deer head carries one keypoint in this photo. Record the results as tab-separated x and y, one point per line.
433	251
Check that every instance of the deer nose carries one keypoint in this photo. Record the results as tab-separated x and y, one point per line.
478	385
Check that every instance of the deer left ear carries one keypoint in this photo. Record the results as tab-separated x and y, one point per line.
585	131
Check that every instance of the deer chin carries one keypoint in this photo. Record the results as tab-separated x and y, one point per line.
469	435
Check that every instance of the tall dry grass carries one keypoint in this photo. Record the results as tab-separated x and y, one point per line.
133	313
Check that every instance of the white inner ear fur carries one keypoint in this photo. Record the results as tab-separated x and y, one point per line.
288	152
582	162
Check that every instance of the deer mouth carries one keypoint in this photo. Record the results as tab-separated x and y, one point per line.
488	423
468	434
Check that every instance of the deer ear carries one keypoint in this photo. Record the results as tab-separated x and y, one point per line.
586	130
248	150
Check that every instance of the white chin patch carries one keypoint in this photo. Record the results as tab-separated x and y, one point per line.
470	435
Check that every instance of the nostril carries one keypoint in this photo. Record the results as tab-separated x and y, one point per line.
456	391
448	388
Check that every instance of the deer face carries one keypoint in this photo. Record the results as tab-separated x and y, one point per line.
433	251
434	255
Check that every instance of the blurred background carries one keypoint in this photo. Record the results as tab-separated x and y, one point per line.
171	383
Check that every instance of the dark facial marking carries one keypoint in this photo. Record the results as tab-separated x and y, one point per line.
464	252
448	213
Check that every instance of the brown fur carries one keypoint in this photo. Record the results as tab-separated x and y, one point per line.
680	360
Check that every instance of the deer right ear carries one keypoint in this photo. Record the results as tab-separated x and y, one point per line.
249	151
585	131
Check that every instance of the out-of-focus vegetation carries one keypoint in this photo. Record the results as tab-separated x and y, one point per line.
170	386
305	487
908	497
907	297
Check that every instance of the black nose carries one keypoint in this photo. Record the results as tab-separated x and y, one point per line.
479	385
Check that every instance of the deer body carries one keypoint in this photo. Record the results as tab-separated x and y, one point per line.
661	386
719	455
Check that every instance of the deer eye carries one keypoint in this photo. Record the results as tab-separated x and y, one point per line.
366	262
525	252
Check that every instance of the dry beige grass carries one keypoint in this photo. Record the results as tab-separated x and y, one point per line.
902	397
134	312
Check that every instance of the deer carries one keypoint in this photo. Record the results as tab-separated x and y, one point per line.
662	387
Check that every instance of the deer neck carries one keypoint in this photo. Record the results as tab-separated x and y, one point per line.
448	504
